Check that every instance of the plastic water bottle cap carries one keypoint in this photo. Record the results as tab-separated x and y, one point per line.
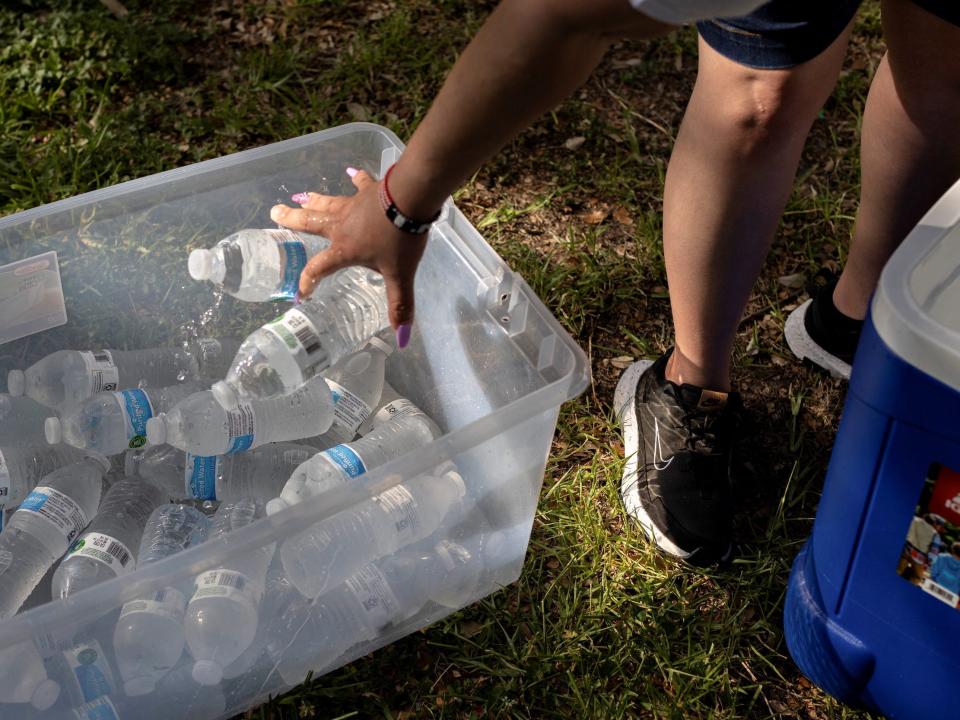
16	382
45	695
99	458
200	264
384	347
225	395
139	686
156	430
457	480
207	672
53	430
276	505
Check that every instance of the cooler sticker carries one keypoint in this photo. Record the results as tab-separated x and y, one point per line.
137	409
294	260
931	554
300	335
401	510
349	411
102	371
398	408
201	475
89	666
31	297
169	602
346	458
58	509
373	594
227	584
105	549
99	709
4	489
241	424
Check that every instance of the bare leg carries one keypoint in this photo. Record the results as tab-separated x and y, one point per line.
728	181
909	150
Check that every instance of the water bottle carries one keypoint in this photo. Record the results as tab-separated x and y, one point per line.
327	553
21	468
331	468
49	519
110	545
340	317
257	265
149	637
23	677
84	671
67	377
111	423
221	619
21	421
356	383
201	426
377	415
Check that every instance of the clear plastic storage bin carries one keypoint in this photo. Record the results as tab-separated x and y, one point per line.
487	361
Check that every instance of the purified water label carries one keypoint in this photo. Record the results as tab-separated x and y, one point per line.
137	409
401	407
102	371
201	475
4	488
294	257
241	427
100	709
226	584
300	336
105	549
349	411
401	510
346	458
89	666
374	595
169	602
58	509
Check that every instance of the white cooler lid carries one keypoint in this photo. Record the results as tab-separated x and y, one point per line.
916	308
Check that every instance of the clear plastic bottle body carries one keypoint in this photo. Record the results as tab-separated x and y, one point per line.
111	543
21	468
340	317
51	517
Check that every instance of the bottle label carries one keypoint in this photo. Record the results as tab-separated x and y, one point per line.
401	510
241	427
226	584
137	409
99	709
346	458
4	488
201	475
58	509
102	371
349	411
105	549
373	594
294	260
301	338
168	602
401	407
89	666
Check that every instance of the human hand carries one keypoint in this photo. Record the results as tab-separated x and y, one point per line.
359	234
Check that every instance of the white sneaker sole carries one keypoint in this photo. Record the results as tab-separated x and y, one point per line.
805	348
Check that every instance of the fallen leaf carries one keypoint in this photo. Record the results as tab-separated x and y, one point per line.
593	217
470	628
358	111
622	362
574	142
794	282
622	216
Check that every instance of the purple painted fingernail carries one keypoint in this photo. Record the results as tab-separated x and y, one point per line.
403	335
297	299
300	198
351	171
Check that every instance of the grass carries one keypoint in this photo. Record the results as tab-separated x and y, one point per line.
599	625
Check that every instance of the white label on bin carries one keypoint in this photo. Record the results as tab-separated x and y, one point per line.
58	509
4	488
101	370
941	593
100	709
241	428
401	407
31	297
105	549
168	602
373	594
90	669
349	411
300	337
401	510
226	584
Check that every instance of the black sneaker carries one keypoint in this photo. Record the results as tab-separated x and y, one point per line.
818	332
676	481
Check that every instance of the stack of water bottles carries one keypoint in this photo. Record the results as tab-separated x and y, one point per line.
150	452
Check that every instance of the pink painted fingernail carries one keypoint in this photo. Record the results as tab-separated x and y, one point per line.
352	171
300	198
403	335
297	299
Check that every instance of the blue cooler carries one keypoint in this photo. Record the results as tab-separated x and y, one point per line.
872	612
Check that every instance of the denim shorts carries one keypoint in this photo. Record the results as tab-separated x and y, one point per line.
786	33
